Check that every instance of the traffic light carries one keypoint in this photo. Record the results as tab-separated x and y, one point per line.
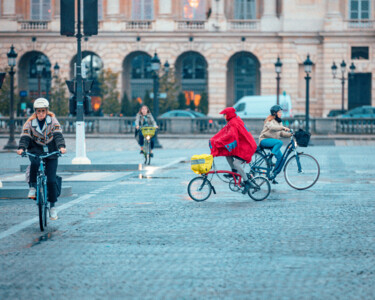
67	13
90	17
87	105
73	105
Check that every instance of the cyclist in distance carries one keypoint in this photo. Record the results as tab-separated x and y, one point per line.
144	118
236	143
42	134
270	136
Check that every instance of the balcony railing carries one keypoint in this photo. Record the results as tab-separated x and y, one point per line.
190	25
251	25
138	25
360	24
33	25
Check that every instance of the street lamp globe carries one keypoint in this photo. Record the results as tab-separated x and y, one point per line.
278	65
166	67
334	70
12	55
155	63
56	70
352	68
39	65
343	67
308	64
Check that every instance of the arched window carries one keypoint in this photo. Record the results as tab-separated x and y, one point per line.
142	9
193	67
41	10
93	65
140	75
33	80
243	77
245	9
194	9
359	9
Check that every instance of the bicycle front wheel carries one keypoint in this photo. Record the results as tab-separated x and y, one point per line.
146	150
199	188
260	188
42	208
301	171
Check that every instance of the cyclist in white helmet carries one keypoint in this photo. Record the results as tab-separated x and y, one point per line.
41	134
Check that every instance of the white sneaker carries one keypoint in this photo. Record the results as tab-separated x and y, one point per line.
53	214
32	193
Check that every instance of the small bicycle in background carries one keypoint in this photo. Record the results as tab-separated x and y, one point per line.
41	187
148	133
301	171
200	188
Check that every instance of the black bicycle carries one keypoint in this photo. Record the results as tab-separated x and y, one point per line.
301	170
41	187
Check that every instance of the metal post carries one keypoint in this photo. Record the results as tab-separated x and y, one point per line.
342	93
11	145
81	157
156	106
278	89
307	103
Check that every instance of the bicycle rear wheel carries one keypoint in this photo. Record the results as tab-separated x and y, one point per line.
258	165
302	171
199	188
260	188
42	207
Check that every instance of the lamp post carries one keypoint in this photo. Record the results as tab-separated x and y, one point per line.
342	79
56	71
278	66
155	67
47	68
12	55
39	68
308	68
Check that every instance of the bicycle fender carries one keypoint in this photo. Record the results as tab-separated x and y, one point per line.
213	189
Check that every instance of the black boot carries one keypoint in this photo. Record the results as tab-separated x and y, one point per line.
229	176
246	187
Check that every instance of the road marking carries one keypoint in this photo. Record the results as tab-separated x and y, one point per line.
14	229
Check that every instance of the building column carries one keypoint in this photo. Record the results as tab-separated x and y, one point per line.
269	20
333	20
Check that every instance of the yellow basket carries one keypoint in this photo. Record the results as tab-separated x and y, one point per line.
148	131
201	164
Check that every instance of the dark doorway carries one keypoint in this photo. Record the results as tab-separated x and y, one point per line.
359	90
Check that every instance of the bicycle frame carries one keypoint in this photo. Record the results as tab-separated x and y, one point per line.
234	175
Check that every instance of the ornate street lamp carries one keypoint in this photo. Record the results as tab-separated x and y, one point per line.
12	55
47	69
166	67
39	68
278	66
342	79
308	68
155	67
56	70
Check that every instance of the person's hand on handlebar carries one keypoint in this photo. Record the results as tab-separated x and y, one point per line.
20	151
63	150
286	129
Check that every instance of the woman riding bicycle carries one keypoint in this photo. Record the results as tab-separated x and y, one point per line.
272	131
144	119
234	142
42	134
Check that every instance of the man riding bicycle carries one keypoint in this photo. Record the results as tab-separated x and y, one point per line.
270	136
234	142
42	134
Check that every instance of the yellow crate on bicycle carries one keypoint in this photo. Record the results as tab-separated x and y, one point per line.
201	164
148	131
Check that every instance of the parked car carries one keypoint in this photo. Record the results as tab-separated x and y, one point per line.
336	112
360	112
202	124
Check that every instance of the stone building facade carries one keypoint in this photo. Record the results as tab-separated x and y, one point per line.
226	48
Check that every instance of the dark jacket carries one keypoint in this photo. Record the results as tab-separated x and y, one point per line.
33	138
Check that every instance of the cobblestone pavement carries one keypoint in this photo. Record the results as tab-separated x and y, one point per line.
140	236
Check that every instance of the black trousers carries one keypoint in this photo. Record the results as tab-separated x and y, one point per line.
51	168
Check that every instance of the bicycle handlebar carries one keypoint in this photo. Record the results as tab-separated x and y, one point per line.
25	153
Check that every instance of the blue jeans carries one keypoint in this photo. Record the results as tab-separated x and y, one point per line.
276	146
141	140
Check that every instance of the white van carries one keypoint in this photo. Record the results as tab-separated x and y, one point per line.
259	106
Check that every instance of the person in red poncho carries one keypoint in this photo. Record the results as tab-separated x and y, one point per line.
234	142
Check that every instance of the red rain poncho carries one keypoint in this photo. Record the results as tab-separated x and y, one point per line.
234	139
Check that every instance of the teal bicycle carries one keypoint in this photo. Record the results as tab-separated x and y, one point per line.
41	187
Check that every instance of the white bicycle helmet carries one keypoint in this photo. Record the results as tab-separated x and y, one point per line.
41	103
